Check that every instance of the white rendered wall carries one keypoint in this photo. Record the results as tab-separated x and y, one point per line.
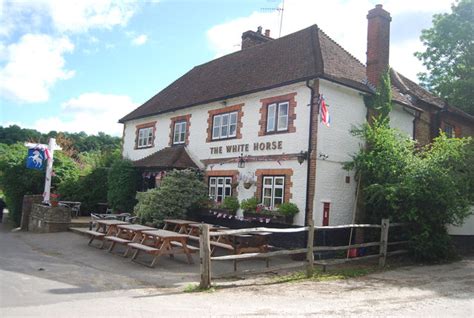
402	119
466	229
292	143
347	110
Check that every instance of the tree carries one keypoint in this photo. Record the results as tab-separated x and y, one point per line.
122	185
430	188
449	56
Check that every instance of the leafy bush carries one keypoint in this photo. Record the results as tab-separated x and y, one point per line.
288	209
89	189
430	188
231	204
179	192
249	205
122	185
16	180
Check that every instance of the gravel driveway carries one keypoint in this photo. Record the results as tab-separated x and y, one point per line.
35	281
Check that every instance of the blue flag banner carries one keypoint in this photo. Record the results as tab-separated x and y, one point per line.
36	159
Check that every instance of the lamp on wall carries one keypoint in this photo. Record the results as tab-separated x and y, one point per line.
302	156
241	162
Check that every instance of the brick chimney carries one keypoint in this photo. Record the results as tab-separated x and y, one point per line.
252	38
378	43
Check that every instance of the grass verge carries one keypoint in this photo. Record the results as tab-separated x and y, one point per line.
194	288
319	275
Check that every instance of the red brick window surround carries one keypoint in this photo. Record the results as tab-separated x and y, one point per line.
225	123
145	135
179	130
273	179
277	114
221	183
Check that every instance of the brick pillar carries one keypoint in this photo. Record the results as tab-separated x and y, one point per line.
378	43
27	205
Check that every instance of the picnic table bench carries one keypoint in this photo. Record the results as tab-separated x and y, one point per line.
103	228
163	242
127	233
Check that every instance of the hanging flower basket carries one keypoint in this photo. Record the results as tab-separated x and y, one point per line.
247	185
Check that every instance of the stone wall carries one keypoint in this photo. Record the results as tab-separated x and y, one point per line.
28	201
45	219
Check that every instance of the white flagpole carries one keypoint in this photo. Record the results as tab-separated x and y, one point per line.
49	169
52	146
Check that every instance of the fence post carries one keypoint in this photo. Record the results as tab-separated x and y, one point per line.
310	252
205	256
383	242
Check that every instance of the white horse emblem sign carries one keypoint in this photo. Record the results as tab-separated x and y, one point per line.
35	159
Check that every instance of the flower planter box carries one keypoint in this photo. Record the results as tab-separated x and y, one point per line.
274	217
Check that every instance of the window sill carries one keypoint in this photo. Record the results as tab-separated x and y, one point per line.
223	139
140	148
276	132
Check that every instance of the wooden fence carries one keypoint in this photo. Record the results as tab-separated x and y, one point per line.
206	258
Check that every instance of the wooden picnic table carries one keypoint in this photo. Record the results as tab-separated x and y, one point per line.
177	225
127	233
193	229
162	242
108	227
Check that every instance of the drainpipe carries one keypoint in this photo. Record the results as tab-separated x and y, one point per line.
310	148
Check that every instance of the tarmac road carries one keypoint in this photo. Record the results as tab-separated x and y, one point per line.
40	278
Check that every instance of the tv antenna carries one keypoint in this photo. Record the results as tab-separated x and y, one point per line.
279	10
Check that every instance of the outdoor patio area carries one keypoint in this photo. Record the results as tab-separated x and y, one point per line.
66	257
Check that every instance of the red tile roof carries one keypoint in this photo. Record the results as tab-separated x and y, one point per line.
169	157
306	54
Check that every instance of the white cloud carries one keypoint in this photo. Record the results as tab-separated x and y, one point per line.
343	20
80	16
91	113
33	66
140	40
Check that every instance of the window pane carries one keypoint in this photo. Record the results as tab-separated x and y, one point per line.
233	118
216	127
225	125
212	181
228	191
267	181
279	181
278	193
267	202
278	201
283	116
271	117
220	181
228	180
267	192
232	130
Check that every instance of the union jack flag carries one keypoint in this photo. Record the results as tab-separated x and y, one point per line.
324	111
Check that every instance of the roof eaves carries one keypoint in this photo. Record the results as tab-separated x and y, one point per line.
303	79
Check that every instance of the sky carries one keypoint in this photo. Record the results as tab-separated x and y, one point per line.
81	65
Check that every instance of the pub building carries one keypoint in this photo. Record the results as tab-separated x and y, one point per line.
251	120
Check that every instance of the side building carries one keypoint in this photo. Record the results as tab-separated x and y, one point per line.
250	120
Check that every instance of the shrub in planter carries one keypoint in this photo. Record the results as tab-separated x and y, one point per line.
289	210
249	205
179	192
231	204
